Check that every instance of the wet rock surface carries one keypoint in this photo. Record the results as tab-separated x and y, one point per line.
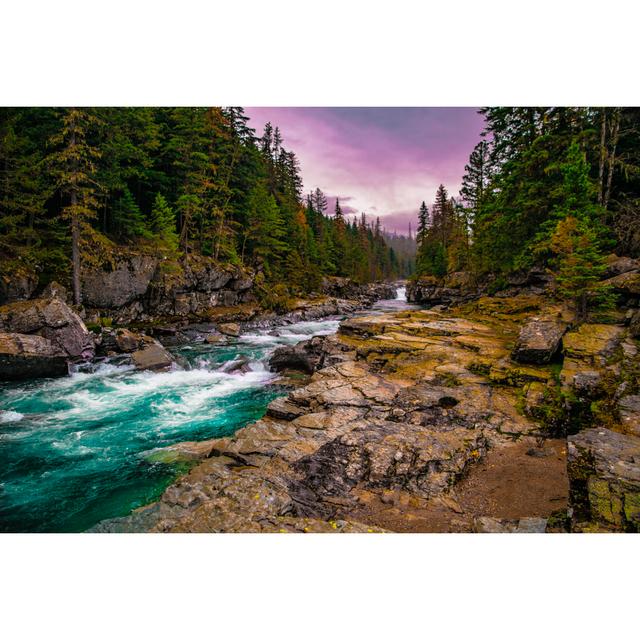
152	357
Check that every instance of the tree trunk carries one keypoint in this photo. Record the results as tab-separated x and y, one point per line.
603	153
615	129
75	231
75	249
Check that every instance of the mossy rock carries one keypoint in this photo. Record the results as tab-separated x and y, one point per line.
592	341
505	373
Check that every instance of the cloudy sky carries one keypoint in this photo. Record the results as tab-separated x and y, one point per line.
383	161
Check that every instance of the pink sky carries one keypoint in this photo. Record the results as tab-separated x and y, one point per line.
381	160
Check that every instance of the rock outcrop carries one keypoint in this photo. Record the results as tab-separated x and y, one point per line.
383	437
117	285
135	287
452	289
30	356
347	289
538	341
52	319
605	470
617	265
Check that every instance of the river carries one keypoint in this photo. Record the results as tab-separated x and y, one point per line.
74	450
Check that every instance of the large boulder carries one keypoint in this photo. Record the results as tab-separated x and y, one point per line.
229	329
111	288
55	290
538	341
30	356
52	319
121	340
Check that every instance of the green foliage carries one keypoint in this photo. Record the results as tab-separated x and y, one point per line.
443	239
579	266
541	164
75	183
128	220
162	222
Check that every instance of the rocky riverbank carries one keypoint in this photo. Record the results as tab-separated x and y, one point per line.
493	416
41	337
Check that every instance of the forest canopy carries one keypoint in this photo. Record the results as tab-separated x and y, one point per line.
79	184
539	174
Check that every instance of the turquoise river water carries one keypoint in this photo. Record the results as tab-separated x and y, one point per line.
74	450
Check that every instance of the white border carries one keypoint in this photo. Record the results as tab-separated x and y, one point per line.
335	52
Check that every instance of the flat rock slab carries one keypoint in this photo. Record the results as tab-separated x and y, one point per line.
593	342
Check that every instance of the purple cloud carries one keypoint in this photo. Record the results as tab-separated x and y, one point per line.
380	160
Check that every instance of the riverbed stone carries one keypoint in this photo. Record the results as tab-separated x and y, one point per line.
152	357
229	329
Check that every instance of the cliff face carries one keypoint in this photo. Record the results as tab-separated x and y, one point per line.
138	287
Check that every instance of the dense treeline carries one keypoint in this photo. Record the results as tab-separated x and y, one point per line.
556	188
77	184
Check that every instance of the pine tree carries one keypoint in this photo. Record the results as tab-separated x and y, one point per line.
263	235
23	190
476	179
162	222
423	224
319	201
73	167
128	220
579	266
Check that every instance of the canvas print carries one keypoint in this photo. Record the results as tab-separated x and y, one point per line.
340	320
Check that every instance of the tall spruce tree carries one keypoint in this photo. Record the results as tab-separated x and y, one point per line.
162	222
476	179
73	167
